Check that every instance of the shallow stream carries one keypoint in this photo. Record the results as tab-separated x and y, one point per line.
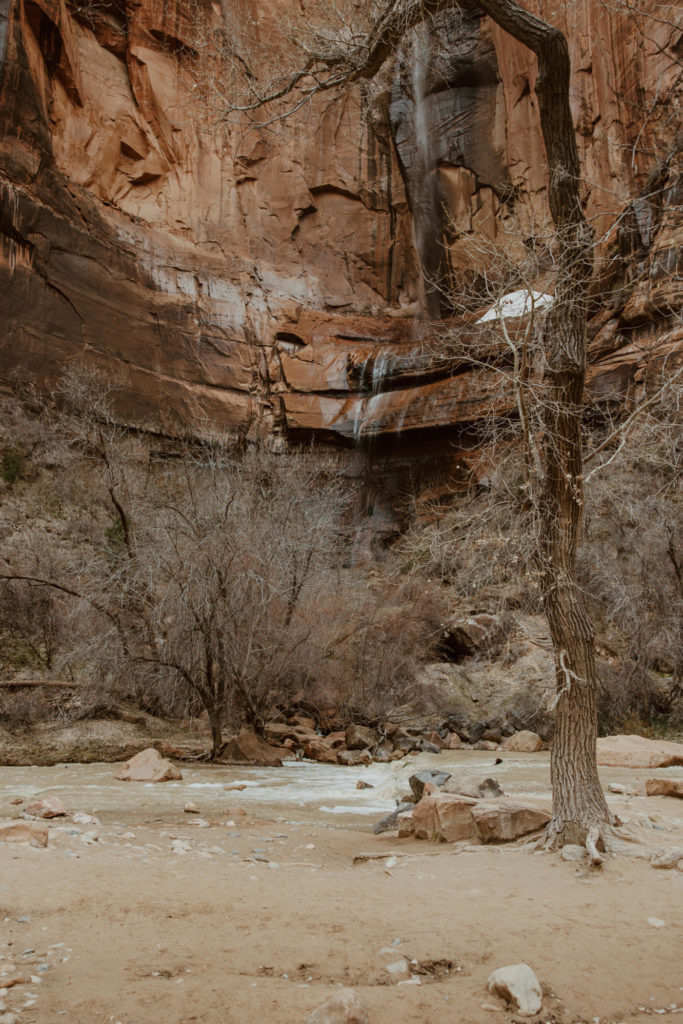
299	792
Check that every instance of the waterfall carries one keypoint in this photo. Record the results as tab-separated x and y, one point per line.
424	185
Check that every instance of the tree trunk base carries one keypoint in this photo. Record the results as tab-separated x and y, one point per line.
599	839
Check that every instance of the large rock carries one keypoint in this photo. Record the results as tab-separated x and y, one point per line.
250	748
638	752
525	742
480	787
444	817
360	737
319	750
24	832
517	984
352	758
148	766
505	820
664	787
344	1007
47	807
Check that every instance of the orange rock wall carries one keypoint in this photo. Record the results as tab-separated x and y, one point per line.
237	279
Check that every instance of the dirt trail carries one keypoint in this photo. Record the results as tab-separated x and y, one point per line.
265	913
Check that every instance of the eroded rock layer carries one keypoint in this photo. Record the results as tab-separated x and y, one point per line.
270	280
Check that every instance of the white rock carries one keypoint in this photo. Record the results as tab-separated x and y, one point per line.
656	922
398	967
179	846
80	818
519	985
666	858
573	851
191	808
343	1008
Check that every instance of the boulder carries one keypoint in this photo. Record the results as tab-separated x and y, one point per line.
48	807
303	721
437	740
485	745
360	737
493	735
250	748
351	758
418	781
463	637
525	742
24	832
453	742
319	750
476	786
505	820
408	744
279	732
469	732
336	739
638	752
383	754
344	1007
664	787
148	766
517	984
444	817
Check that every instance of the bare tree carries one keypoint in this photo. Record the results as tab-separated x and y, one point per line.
200	576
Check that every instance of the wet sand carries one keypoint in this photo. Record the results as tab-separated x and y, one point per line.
262	913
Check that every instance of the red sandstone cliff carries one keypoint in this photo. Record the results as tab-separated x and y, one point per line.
253	280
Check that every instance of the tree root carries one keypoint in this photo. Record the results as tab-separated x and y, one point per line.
600	840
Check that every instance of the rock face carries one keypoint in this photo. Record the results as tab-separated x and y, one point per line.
148	766
638	752
268	282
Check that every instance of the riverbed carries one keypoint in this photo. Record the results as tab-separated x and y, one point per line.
256	908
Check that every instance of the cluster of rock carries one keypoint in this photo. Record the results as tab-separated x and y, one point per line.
453	808
361	744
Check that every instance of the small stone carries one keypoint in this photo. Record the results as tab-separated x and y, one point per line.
572	851
517	984
180	847
79	818
344	1007
398	967
364	785
48	807
666	858
190	808
201	823
656	922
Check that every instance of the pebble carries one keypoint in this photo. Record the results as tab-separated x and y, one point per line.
656	922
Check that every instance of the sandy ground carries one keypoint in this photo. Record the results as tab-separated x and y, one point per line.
266	913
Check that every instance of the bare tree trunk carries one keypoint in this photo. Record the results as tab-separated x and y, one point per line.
580	812
216	732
